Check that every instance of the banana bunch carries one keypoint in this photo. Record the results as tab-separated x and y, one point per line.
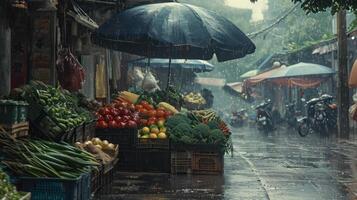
205	115
195	98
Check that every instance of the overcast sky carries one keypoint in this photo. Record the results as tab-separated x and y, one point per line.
258	8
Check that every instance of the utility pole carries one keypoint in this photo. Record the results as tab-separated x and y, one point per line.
343	90
5	51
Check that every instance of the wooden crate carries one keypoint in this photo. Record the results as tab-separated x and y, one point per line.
17	130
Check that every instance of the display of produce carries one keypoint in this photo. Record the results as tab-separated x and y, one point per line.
170	95
119	114
187	128
150	116
210	118
128	97
194	98
57	110
7	190
103	151
39	158
155	131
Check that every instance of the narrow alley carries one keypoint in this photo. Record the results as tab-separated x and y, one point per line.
280	165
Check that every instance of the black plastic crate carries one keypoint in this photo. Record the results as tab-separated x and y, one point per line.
79	133
97	179
207	163
153	160
149	143
181	162
196	147
89	130
55	188
127	160
37	131
125	137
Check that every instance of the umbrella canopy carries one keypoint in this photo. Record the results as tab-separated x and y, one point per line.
195	65
302	69
173	30
305	75
250	73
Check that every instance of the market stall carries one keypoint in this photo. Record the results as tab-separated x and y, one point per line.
150	133
46	137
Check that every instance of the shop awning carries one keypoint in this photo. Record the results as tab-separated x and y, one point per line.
236	86
81	17
262	76
210	81
250	73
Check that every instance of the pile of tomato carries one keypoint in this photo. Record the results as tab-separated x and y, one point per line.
149	115
119	114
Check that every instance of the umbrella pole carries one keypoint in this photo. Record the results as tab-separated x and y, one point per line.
169	74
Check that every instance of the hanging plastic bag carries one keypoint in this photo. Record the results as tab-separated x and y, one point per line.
352	82
150	83
70	71
352	112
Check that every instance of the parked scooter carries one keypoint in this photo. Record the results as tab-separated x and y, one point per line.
239	118
291	115
264	118
321	116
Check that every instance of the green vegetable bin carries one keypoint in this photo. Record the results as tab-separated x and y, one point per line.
22	109
8	112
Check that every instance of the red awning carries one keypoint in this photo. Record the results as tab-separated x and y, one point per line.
300	82
261	77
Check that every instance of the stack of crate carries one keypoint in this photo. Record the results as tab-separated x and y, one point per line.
13	117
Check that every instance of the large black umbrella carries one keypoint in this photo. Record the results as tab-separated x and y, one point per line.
173	30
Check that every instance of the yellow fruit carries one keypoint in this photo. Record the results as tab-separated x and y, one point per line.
163	129
153	136
145	136
161	123
155	130
162	135
131	97
145	130
168	107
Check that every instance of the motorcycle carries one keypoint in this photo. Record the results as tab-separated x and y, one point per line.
291	115
239	118
321	116
264	118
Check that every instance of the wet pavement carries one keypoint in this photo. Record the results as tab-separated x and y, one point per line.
278	165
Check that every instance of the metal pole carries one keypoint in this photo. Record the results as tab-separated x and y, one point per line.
343	91
169	74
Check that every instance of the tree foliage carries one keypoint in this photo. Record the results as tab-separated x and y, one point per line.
295	31
315	6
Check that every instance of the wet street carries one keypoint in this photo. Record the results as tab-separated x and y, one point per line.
279	165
